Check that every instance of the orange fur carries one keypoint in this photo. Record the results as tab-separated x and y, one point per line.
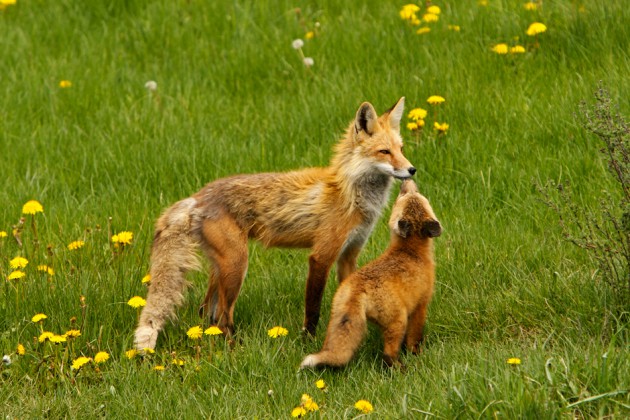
393	291
331	210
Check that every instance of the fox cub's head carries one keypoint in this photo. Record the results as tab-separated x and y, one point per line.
378	139
412	214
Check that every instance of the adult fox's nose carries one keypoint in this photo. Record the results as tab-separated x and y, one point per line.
412	170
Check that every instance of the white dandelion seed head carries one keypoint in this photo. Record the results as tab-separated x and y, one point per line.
270	392
308	61
317	24
6	359
297	44
151	85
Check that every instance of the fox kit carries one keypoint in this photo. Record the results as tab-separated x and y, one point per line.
393	291
331	210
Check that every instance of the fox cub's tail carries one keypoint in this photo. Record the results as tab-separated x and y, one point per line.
174	252
346	330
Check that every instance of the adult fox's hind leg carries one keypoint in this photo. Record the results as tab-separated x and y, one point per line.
226	247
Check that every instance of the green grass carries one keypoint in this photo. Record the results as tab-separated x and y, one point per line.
105	156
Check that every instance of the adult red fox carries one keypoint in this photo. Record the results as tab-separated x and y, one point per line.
331	210
393	291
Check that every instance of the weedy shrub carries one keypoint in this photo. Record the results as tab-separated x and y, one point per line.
604	232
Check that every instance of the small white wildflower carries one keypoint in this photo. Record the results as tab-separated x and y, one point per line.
317	24
151	85
308	61
6	359
270	392
297	44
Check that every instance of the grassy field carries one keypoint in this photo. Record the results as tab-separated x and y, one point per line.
105	155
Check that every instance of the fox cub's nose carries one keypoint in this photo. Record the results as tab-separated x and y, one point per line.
412	170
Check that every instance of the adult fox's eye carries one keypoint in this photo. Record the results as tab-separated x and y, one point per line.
384	151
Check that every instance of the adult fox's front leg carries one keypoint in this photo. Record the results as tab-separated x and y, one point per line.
319	264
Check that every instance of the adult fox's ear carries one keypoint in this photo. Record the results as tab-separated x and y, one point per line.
432	228
403	228
365	119
396	113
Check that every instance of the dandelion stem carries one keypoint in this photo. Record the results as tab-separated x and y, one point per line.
34	227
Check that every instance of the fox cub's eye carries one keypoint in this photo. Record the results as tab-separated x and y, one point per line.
384	151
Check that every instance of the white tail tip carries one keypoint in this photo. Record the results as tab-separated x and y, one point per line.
146	337
309	361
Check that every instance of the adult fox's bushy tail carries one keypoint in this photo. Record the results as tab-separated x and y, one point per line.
174	252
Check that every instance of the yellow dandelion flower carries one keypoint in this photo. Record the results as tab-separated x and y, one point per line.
123	238
364	406
414	21
3	234
32	207
136	302
178	362
65	84
517	49
146	279
148	350
72	246
131	353
320	384
20	350
423	30
435	100
308	403
194	333
408	11
430	17
80	362
530	5
18	262
434	10
514	361
58	339
46	335
417	114
101	357
482	2
16	275
412	126
73	333
213	330
46	269
500	48
455	28
7	2
536	28
39	317
276	332
309	35
441	128
311	406
159	368
298	412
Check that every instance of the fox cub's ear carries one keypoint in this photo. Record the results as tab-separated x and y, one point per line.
396	114
432	228
403	228
366	118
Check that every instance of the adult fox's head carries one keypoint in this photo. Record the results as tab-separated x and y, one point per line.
378	142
